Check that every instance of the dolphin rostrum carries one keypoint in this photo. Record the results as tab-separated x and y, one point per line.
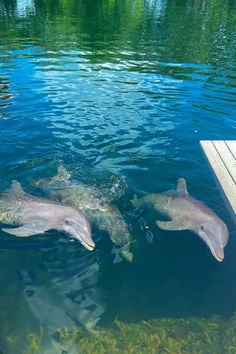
187	213
36	215
105	215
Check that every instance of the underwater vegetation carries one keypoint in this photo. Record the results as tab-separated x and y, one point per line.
190	335
174	336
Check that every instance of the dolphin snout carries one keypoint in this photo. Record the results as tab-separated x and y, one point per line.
219	249
215	234
219	254
80	233
223	240
84	237
216	247
89	245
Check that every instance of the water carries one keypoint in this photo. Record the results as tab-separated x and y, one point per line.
125	89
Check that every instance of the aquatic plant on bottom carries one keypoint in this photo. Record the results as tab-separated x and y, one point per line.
35	343
175	336
229	335
165	336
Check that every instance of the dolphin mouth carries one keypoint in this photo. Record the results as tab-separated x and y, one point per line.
88	245
219	257
217	251
83	237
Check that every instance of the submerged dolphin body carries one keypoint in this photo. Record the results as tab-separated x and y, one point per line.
106	216
36	215
187	213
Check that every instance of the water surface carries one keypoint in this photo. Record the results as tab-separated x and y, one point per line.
124	88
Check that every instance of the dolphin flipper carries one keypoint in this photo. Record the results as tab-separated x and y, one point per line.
26	230
171	225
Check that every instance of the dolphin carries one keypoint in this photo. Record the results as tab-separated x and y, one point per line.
187	213
105	215
36	215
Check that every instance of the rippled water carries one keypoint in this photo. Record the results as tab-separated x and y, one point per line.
125	89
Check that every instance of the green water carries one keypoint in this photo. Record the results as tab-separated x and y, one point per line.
120	92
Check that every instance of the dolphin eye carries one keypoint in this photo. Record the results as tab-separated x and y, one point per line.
67	222
202	227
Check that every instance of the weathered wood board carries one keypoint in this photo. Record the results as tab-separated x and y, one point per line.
222	157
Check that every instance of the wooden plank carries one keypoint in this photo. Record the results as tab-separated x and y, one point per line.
232	146
224	177
226	157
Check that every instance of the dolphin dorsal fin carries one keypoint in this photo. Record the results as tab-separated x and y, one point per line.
16	190
182	186
62	174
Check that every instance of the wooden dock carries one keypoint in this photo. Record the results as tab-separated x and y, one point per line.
222	157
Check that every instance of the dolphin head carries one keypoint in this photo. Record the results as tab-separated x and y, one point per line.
77	225
215	233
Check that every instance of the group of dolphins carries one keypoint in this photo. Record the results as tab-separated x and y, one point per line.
72	206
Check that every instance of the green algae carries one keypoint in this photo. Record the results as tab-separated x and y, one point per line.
34	342
229	335
166	336
11	340
179	336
